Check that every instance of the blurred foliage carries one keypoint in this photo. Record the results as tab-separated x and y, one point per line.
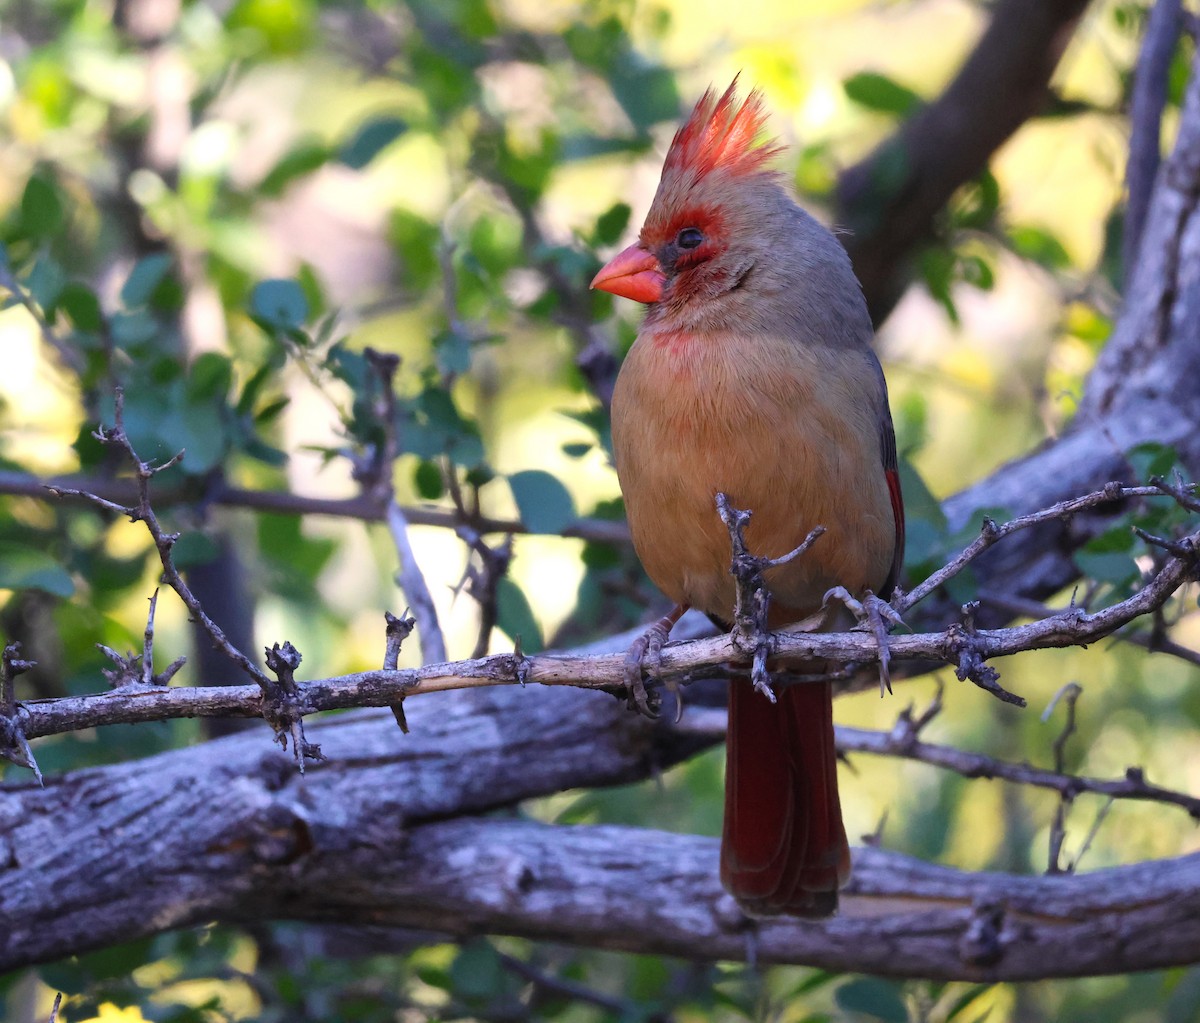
221	206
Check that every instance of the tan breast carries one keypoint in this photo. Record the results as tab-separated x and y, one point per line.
789	432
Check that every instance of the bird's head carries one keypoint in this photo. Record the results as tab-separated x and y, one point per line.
717	209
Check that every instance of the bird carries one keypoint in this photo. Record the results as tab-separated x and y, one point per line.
753	375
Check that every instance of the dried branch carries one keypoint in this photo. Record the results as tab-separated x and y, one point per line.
278	705
261	844
410	577
903	742
889	201
365	508
966	648
1150	83
14	744
990	533
1068	694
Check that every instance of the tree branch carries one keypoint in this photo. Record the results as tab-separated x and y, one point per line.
890	199
262	844
962	646
365	507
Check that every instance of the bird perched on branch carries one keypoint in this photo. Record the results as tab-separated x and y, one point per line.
753	376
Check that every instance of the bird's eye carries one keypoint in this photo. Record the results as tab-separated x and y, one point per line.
689	238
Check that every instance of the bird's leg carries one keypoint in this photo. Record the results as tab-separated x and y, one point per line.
645	655
874	614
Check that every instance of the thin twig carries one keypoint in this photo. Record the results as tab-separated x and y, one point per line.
752	600
366	508
278	705
69	356
564	988
901	743
1070	694
410	577
991	533
14	741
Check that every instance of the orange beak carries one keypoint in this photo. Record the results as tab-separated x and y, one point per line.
633	273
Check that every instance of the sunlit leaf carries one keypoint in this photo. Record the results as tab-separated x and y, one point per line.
515	617
544	503
25	568
878	92
370	140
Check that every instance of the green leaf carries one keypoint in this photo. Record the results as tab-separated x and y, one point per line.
937	264
41	208
1039	245
647	93
964	1001
370	140
975	270
515	617
878	92
1152	459
453	352
295	163
80	303
193	549
874	998
544	503
46	282
26	568
210	376
611	225
428	481
145	277
976	204
477	973
576	450
1108	558
271	410
279	304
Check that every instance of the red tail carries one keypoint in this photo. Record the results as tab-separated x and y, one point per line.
784	849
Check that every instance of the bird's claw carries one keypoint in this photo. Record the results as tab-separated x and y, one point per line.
645	654
876	615
645	658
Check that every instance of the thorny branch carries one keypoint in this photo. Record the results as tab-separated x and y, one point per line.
903	742
990	533
1069	694
14	745
955	646
750	632
277	703
412	581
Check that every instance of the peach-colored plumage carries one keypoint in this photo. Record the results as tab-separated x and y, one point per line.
753	375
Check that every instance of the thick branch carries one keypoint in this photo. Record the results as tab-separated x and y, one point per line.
360	840
889	201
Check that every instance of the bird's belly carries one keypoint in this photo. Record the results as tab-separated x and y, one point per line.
793	459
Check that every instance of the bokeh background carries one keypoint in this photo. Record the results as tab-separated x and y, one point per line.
224	203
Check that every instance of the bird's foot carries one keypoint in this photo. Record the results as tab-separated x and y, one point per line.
877	616
645	658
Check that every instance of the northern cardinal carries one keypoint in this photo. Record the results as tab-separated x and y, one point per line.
753	375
